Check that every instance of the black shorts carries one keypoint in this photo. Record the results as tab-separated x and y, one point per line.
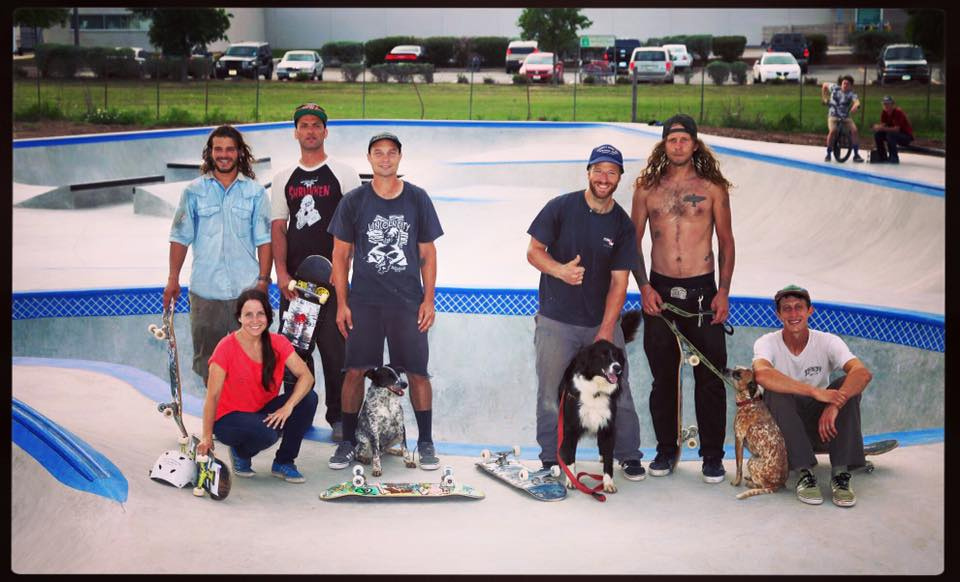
372	324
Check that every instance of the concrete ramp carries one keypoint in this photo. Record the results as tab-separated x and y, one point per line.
158	199
83	195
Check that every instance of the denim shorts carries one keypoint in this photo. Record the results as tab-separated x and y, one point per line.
372	324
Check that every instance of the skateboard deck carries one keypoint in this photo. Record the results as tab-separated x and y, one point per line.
686	436
213	477
174	408
544	485
870	450
312	285
358	487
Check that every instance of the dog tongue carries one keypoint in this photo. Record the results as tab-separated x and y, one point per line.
611	377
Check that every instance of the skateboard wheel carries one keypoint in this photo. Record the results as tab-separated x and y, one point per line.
692	430
198	491
693	360
160	334
485	454
691	443
201	458
292	285
447	480
523	475
152	328
358	470
555	470
358	481
516	451
869	467
183	440
168	412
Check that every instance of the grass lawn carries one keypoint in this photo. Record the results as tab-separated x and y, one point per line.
774	107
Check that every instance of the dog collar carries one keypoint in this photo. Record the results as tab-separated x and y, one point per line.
756	398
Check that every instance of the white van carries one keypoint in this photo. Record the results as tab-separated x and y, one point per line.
652	63
518	50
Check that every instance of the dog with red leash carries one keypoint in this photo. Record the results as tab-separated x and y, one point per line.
589	391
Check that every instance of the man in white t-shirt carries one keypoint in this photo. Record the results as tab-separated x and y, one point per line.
793	366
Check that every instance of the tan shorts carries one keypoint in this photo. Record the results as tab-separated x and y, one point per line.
833	121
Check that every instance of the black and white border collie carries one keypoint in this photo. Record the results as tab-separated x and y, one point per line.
589	391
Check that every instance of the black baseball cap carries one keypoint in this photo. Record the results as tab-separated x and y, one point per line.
791	291
384	135
689	125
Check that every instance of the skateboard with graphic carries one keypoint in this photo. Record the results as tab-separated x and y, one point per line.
544	484
213	477
358	487
686	436
869	450
312	285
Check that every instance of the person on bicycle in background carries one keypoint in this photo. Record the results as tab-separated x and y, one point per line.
843	102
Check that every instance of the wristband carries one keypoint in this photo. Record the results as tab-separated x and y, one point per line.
263	278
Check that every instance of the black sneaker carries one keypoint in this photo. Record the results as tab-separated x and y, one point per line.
713	470
857	158
827	159
662	465
633	470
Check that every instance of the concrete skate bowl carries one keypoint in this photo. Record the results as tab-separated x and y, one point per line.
840	232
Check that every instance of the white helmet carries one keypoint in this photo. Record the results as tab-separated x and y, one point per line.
175	468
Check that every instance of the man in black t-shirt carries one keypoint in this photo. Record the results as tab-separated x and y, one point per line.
303	200
584	245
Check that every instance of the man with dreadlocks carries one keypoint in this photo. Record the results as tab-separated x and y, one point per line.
685	198
225	215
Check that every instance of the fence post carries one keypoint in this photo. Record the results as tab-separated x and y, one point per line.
929	88
576	78
206	88
38	81
363	88
106	77
157	75
800	121
470	106
256	114
633	103
703	73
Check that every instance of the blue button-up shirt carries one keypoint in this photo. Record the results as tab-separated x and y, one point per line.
225	227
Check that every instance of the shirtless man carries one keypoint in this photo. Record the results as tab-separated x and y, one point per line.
686	198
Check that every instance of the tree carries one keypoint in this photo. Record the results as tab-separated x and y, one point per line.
177	31
40	18
925	28
554	29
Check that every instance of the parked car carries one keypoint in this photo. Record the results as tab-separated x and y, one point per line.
248	59
296	63
540	67
619	54
407	53
517	50
679	55
772	66
902	62
139	54
793	43
651	63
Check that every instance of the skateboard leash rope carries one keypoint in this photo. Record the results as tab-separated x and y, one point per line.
728	329
595	491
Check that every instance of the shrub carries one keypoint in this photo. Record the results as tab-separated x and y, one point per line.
492	49
425	70
376	49
623	80
111	116
57	60
729	48
218	117
687	75
380	72
335	54
811	81
867	44
588	80
351	71
788	123
177	116
700	45
440	50
520	79
653	42
39	111
489	81
462	79
718	71
817	43
738	70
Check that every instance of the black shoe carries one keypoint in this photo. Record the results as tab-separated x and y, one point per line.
893	160
633	470
662	465
857	158
827	159
713	470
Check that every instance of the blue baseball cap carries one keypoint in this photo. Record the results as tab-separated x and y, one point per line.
606	153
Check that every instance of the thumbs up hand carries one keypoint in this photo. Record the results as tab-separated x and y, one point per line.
571	273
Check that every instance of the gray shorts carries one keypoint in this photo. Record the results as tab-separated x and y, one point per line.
372	324
210	321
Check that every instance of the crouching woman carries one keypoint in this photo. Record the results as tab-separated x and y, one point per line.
244	406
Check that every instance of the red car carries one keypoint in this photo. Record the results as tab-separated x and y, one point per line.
406	53
540	67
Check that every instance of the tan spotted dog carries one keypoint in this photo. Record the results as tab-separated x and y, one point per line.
754	427
380	423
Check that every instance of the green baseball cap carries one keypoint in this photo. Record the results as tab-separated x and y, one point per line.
310	109
791	291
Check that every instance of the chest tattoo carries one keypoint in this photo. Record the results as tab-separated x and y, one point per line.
693	199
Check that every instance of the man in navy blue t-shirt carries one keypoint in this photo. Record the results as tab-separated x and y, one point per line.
386	228
584	245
